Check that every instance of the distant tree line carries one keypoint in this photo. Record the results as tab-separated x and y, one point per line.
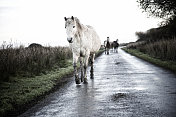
165	9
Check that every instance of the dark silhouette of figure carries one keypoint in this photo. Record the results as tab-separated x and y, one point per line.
107	45
115	45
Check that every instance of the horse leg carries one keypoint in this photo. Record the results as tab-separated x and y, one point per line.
81	65
75	59
105	50
92	61
86	58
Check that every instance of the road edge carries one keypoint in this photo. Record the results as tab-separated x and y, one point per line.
169	65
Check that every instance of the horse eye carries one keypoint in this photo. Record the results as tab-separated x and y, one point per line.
73	26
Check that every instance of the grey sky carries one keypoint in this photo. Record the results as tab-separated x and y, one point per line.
42	21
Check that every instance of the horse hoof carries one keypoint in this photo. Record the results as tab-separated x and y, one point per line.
91	76
85	81
77	81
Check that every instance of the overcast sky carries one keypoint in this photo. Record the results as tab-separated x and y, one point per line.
42	21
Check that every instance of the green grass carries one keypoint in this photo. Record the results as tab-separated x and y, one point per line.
171	65
21	90
99	52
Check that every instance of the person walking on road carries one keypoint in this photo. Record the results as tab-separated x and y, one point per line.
107	46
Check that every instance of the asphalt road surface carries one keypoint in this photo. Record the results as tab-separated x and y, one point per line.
123	86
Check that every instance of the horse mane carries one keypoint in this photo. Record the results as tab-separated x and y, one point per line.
79	27
78	23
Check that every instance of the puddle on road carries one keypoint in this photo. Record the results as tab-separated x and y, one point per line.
117	96
117	63
122	97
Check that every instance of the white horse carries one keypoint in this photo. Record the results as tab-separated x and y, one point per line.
84	43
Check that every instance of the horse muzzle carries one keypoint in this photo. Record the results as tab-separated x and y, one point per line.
70	40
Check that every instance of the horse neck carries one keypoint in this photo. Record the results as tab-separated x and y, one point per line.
80	30
77	38
78	34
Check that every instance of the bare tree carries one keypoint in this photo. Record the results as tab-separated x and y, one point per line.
159	8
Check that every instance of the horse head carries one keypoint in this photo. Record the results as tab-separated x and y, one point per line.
71	28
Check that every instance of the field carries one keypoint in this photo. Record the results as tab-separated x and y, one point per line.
31	61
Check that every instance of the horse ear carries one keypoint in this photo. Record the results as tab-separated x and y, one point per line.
65	18
72	18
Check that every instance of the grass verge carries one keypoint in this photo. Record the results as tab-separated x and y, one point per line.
99	52
20	91
171	65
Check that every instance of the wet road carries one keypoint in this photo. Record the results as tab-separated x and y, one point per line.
123	86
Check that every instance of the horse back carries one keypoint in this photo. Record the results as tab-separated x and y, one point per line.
93	39
115	44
